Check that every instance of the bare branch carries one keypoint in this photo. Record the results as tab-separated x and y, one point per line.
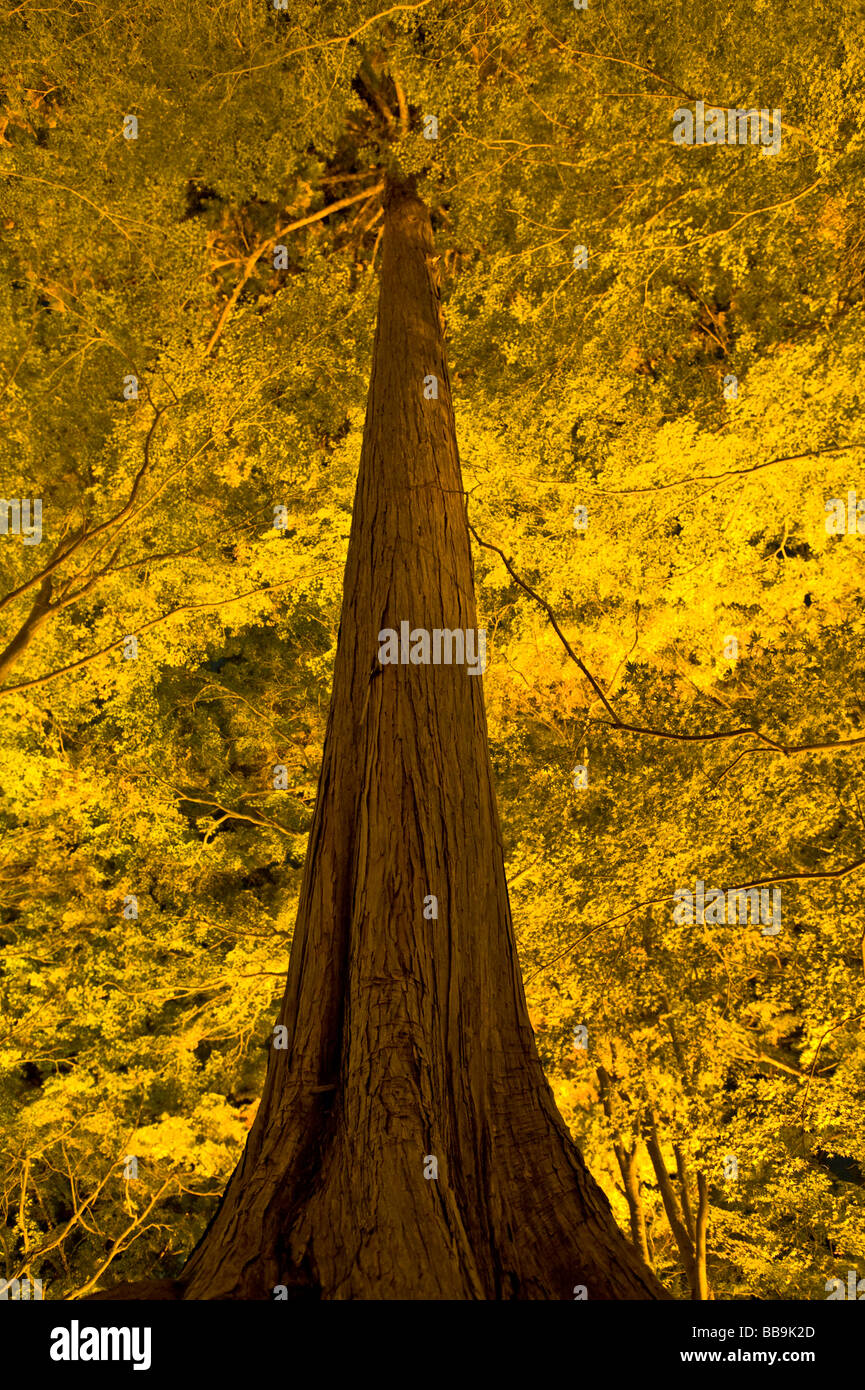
770	745
730	472
670	897
154	622
262	246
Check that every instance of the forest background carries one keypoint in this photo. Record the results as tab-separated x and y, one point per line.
187	304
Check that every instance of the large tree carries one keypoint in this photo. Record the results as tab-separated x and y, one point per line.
408	1144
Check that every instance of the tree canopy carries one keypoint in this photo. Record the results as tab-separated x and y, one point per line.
650	431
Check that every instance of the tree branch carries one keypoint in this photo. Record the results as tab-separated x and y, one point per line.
163	617
262	246
61	555
670	897
730	472
770	744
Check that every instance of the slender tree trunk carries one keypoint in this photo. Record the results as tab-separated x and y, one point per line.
408	1037
681	1234
682	1172
703	1290
635	1204
628	1161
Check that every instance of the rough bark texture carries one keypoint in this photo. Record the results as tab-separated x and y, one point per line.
408	1037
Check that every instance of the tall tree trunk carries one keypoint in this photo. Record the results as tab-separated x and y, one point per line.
407	1036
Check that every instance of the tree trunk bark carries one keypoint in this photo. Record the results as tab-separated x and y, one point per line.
407	1036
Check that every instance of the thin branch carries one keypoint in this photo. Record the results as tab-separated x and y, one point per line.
401	102
730	472
230	814
848	1018
163	617
344	39
117	1247
617	723
670	897
552	617
62	555
262	246
770	744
